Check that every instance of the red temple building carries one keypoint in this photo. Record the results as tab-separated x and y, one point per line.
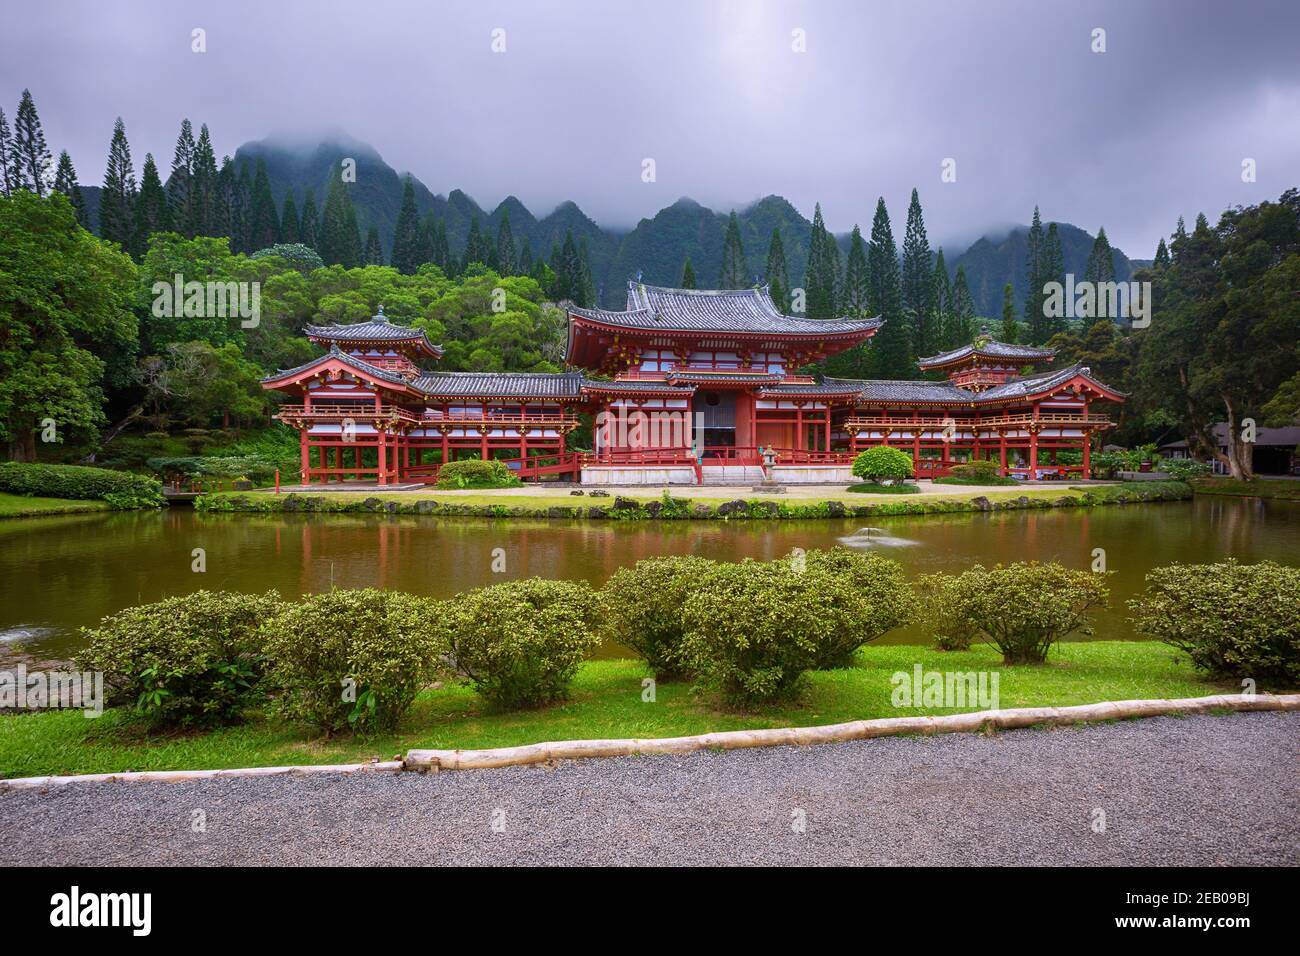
683	386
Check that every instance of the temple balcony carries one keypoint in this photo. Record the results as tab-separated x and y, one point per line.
964	420
322	412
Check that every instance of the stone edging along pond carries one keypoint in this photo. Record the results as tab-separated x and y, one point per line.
632	509
432	761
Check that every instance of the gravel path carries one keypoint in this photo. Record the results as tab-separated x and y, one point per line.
1199	790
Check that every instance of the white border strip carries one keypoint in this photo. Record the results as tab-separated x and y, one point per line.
434	760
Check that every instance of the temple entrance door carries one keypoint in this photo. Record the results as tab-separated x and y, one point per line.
717	411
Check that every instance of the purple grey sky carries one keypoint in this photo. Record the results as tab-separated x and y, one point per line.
1155	127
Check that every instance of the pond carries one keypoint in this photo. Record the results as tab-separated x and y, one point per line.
59	573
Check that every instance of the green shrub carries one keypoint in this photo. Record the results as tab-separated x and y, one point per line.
979	472
519	643
882	463
753	629
295	254
1026	607
643	609
120	489
186	661
353	658
941	610
1182	469
871	488
473	473
883	600
1233	620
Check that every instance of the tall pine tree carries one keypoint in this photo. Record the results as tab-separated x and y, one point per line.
151	212
179	181
1009	333
962	314
819	274
526	258
777	273
406	234
290	228
892	345
264	227
8	179
733	257
117	196
309	223
65	181
1052	270
339	241
34	163
940	306
1101	264
1162	259
507	258
917	279
857	279
688	275
374	253
203	188
1037	322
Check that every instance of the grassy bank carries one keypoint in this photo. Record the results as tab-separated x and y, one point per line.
649	504
1283	489
606	702
22	506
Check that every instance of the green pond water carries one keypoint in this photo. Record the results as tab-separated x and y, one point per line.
59	573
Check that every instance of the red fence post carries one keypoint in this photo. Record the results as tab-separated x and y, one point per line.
277	481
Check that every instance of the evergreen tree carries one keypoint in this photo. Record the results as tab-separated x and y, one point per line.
406	234
8	181
290	227
65	181
242	241
426	239
203	188
940	305
264	227
339	241
179	194
1162	259
374	255
1009	334
1034	295
222	223
526	258
733	257
441	249
117	197
917	278
1101	266
474	251
507	260
1052	270
892	345
819	275
777	273
151	212
962	315
857	278
586	297
688	275
568	271
309	224
34	163
1179	239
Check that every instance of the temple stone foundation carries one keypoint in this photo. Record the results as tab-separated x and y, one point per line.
598	475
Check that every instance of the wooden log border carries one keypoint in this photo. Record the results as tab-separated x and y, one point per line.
426	761
181	776
435	760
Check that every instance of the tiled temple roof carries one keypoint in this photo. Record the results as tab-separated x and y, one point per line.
728	310
989	348
350	360
500	384
885	390
637	385
376	329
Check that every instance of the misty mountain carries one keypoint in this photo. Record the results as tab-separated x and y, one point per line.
990	264
656	248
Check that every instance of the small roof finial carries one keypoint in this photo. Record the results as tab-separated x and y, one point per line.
381	311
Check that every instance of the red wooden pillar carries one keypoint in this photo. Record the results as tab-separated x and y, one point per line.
338	461
1033	446
305	450
383	458
800	439
1002	451
1087	453
445	447
828	427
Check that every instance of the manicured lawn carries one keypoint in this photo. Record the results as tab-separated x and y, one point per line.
21	506
1287	489
606	702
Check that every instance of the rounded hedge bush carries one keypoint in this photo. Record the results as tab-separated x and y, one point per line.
193	660
982	471
643	609
353	658
121	489
475	473
519	643
882	463
1233	620
882	600
1026	607
941	609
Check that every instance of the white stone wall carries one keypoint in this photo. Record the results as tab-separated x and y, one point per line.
637	475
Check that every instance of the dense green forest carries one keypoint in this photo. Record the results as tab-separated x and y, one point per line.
83	345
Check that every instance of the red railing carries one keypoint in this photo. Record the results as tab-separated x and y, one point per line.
359	411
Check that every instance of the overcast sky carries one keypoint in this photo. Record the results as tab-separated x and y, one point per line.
1156	126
